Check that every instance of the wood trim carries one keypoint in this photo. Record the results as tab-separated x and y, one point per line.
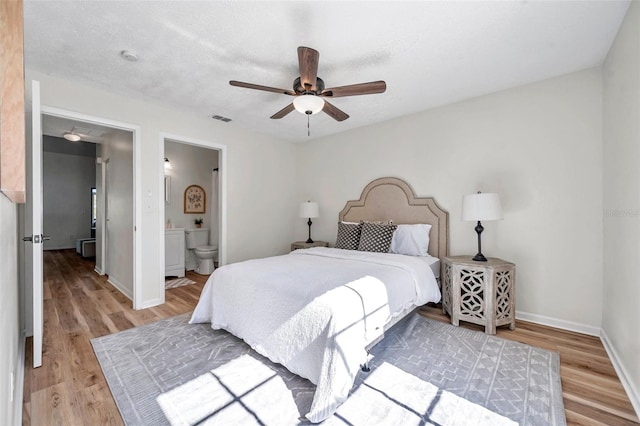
12	116
390	198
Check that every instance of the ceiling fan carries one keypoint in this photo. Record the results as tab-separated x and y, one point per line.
309	91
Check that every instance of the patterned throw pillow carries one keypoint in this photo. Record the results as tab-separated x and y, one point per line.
348	235
376	237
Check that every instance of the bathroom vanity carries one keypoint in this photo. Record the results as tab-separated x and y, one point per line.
174	252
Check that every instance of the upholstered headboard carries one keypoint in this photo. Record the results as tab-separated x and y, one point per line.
393	199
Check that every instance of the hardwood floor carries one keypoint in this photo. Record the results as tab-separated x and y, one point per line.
592	392
69	388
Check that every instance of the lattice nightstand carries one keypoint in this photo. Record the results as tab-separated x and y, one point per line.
303	245
479	292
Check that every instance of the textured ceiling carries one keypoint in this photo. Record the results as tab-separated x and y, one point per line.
430	53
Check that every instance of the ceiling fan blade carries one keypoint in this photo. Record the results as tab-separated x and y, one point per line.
259	87
333	112
356	89
308	62
284	111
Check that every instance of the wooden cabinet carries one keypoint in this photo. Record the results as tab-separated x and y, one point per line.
479	292
303	244
12	116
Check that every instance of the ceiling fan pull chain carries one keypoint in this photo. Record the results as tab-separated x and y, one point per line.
308	129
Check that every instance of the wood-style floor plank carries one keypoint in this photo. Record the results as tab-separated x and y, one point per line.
70	389
592	392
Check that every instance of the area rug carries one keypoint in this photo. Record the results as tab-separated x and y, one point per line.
170	372
177	282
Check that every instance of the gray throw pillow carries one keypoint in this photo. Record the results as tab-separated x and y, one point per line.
348	235
376	237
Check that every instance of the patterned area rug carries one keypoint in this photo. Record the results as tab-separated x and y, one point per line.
177	282
170	372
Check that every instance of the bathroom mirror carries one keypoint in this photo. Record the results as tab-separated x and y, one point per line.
167	189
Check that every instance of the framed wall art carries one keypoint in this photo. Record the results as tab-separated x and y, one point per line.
195	199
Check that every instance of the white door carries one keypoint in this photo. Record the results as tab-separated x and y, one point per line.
105	229
33	224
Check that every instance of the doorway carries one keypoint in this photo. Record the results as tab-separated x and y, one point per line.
117	183
191	163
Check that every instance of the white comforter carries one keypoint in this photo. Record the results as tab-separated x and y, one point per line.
315	310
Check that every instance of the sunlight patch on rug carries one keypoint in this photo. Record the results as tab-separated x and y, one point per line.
242	389
390	396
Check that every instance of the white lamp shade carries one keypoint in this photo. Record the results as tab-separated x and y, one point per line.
309	209
481	207
308	104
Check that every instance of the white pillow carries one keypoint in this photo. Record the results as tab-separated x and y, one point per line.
412	240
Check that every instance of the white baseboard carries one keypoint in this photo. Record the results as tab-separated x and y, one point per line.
18	392
121	288
152	302
558	323
632	393
98	271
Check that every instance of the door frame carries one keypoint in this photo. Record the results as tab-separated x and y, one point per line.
137	185
222	196
34	208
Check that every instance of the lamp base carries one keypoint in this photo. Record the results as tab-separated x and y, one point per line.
309	240
479	258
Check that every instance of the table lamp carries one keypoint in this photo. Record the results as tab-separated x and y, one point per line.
478	207
309	210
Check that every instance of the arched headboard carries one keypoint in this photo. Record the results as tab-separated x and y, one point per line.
393	199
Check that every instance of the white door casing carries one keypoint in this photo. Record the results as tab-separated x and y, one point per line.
34	212
138	302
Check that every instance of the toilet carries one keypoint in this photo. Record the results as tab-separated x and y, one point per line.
198	240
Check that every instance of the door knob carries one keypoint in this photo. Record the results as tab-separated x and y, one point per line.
30	238
45	238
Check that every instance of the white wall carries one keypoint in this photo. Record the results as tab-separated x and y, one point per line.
539	146
67	182
261	202
9	313
190	165
117	155
621	295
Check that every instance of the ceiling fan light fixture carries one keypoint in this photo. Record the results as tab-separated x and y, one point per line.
308	104
71	137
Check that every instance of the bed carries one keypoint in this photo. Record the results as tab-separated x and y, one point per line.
317	311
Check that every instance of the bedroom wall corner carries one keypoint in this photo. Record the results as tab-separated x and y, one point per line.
621	202
539	146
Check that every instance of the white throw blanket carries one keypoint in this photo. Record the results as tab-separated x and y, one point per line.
315	310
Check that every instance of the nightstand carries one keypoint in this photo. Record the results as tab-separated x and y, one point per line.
479	292
303	245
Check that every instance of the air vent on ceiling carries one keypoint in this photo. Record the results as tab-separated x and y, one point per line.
221	118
